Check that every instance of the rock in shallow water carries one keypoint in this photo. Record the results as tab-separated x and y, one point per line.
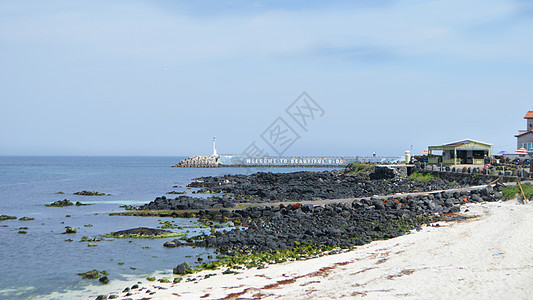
182	269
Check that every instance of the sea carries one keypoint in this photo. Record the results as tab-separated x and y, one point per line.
38	261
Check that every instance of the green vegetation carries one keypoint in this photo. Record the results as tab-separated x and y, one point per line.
150	278
164	280
92	239
128	207
383	229
357	167
26	219
94	274
254	260
417	176
120	263
5	217
176	193
510	192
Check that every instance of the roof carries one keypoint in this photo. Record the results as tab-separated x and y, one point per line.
529	115
465	141
460	143
524	133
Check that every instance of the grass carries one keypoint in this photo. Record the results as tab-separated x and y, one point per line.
417	176
357	167
510	192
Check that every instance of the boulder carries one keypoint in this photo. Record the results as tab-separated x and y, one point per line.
182	269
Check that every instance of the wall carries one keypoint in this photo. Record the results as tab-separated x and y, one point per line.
527	138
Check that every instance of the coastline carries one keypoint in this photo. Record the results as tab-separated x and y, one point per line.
484	257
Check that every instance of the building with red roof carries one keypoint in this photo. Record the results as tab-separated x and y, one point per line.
524	138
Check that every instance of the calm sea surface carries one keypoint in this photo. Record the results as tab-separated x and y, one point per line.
40	262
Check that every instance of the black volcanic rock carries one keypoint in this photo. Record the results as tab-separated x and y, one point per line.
265	187
336	224
186	202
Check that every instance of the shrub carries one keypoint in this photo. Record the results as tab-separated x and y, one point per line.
417	176
357	167
510	192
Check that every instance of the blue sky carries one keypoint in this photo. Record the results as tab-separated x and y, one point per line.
164	77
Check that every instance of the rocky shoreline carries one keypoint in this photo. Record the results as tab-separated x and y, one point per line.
265	227
267	232
299	186
341	225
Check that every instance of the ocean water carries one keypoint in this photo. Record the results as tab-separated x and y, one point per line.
41	262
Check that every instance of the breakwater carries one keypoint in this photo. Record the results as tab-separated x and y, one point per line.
230	160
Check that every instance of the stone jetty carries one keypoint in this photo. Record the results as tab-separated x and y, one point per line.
200	161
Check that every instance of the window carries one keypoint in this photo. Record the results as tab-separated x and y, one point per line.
478	154
528	146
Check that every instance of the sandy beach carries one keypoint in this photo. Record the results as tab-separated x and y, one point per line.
486	257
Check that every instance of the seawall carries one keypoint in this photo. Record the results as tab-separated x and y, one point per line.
229	160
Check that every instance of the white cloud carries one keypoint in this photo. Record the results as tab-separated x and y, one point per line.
142	31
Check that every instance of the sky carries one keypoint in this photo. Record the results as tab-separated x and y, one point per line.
158	77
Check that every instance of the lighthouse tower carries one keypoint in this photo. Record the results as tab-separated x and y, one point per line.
214	146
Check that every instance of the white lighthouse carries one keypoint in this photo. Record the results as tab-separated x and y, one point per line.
215	146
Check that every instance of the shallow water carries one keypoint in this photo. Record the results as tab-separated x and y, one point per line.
41	262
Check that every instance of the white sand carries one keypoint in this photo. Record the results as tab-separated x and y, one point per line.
489	257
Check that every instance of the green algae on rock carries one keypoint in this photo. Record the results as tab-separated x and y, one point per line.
143	233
